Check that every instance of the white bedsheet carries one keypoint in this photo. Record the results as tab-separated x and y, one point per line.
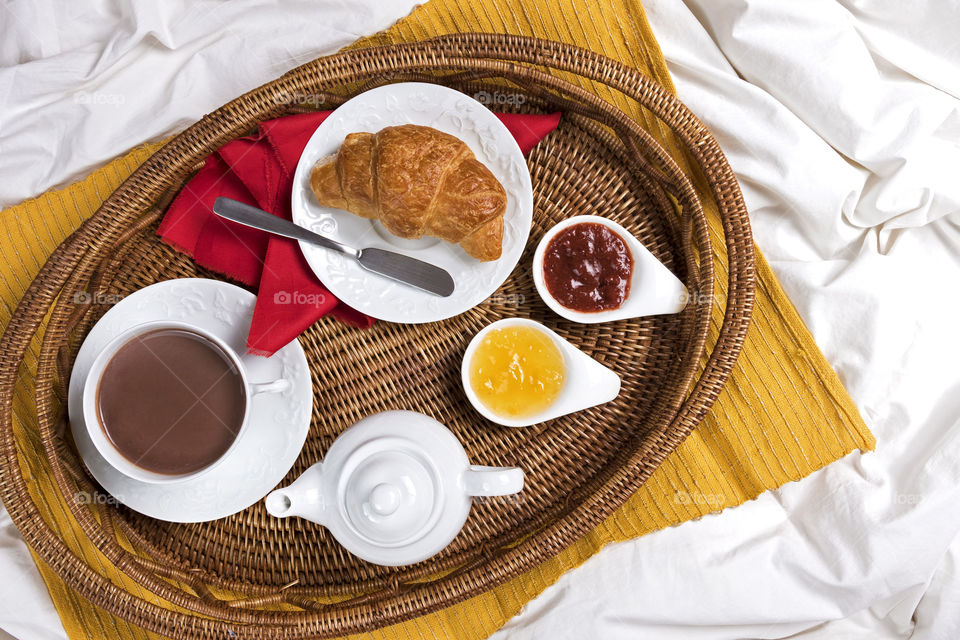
842	121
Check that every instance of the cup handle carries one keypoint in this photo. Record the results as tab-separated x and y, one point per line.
277	386
492	481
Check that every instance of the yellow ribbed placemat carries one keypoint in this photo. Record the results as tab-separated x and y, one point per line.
782	415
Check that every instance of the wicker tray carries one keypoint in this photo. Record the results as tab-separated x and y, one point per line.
230	575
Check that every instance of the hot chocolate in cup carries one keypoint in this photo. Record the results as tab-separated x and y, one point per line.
167	401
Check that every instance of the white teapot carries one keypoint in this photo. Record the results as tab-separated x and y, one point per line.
394	489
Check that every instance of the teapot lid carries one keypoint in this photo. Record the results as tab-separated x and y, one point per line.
392	487
391	492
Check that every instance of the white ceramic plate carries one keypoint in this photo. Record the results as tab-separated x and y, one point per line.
265	450
451	112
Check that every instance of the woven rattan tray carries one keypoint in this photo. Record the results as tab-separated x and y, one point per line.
227	577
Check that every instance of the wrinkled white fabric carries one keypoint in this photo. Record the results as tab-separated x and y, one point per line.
842	121
26	610
82	81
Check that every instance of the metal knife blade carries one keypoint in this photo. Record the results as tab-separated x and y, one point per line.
395	266
411	271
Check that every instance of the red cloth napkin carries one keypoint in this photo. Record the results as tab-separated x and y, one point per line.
259	170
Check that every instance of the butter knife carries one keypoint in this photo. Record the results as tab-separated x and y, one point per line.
396	266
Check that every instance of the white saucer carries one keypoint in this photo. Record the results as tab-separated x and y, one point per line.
451	112
265	450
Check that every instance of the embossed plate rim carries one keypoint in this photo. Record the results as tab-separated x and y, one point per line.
492	144
261	457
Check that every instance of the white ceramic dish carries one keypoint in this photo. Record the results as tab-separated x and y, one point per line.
393	489
266	450
587	383
654	290
448	111
99	437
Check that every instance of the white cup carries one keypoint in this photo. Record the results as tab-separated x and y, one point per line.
98	434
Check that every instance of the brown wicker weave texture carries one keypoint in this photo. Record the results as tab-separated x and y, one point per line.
579	468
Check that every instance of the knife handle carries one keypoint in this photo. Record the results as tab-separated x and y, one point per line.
259	219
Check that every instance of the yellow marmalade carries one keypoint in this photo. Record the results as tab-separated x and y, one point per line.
517	371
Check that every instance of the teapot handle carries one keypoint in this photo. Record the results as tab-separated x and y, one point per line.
492	481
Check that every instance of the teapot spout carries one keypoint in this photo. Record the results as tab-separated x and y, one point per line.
302	498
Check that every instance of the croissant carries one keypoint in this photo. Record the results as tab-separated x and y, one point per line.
417	181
